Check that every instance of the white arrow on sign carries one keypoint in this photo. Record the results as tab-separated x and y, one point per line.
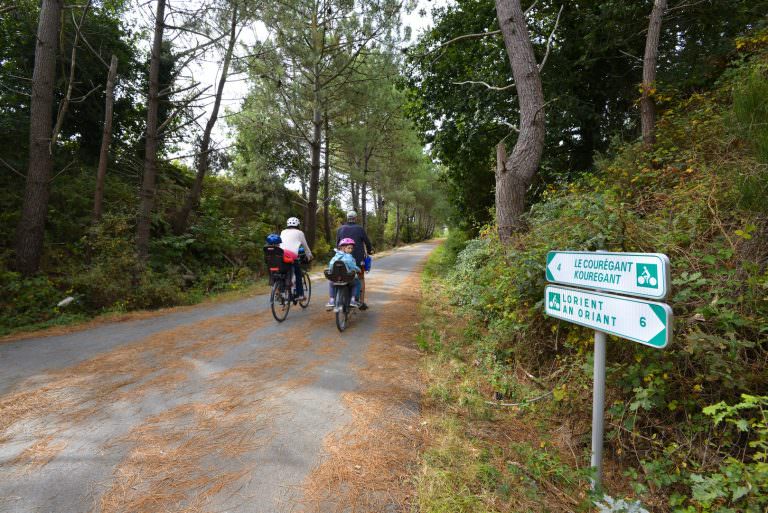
637	274
638	320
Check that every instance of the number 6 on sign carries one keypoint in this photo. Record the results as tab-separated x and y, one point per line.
638	320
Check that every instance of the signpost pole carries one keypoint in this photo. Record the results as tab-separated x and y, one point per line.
598	404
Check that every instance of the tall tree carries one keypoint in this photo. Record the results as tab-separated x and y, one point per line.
317	48
515	172
647	103
147	193
106	139
327	180
29	238
204	153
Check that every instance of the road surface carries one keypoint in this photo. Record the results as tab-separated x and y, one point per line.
218	408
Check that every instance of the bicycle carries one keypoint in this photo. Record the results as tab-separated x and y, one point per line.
282	294
342	281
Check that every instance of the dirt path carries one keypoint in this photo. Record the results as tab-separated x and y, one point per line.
219	408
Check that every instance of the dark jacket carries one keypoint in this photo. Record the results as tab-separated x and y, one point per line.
357	233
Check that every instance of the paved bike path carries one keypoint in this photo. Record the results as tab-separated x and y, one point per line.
213	408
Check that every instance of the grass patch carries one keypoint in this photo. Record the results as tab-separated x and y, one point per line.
482	457
63	322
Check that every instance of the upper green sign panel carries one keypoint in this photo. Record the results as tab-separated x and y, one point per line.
636	274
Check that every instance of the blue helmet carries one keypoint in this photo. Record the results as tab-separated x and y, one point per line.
274	238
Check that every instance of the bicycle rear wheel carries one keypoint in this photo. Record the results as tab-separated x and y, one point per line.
277	301
307	289
342	307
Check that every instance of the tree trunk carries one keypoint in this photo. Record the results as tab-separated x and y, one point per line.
30	231
363	196
515	176
355	195
147	193
397	223
314	176
647	103
204	156
510	196
409	226
420	228
64	105
364	190
380	210
326	184
106	140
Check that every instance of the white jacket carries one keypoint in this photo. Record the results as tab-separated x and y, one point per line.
292	239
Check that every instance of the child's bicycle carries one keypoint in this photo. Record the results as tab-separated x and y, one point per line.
342	281
283	294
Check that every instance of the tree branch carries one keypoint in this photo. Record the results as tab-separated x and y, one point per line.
478	35
64	106
82	98
530	8
9	166
480	82
551	37
65	168
80	34
184	105
630	55
167	91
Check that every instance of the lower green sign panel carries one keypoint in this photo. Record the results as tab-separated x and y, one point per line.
638	320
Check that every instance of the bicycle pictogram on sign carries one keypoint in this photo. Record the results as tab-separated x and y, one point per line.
647	276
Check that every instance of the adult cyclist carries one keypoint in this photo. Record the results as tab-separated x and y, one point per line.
363	246
293	239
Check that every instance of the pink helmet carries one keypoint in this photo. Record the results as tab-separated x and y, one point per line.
345	241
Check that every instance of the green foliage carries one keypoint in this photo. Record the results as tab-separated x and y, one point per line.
683	197
751	111
26	301
590	83
738	484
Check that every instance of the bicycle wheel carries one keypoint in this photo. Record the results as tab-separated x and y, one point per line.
278	302
342	307
307	289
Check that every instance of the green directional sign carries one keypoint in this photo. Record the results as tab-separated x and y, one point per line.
638	320
635	274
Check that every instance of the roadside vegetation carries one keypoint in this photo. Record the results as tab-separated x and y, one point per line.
687	426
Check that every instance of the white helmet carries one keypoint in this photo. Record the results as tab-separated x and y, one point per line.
351	215
292	222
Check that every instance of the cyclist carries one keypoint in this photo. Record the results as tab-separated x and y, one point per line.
292	240
363	245
344	253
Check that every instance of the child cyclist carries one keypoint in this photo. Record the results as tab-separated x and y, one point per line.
344	253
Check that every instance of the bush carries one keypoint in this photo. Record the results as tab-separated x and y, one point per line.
26	301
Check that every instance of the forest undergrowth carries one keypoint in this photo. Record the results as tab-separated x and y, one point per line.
686	426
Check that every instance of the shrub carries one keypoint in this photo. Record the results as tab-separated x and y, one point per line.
26	300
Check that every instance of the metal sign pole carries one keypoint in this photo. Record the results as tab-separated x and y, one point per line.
598	404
